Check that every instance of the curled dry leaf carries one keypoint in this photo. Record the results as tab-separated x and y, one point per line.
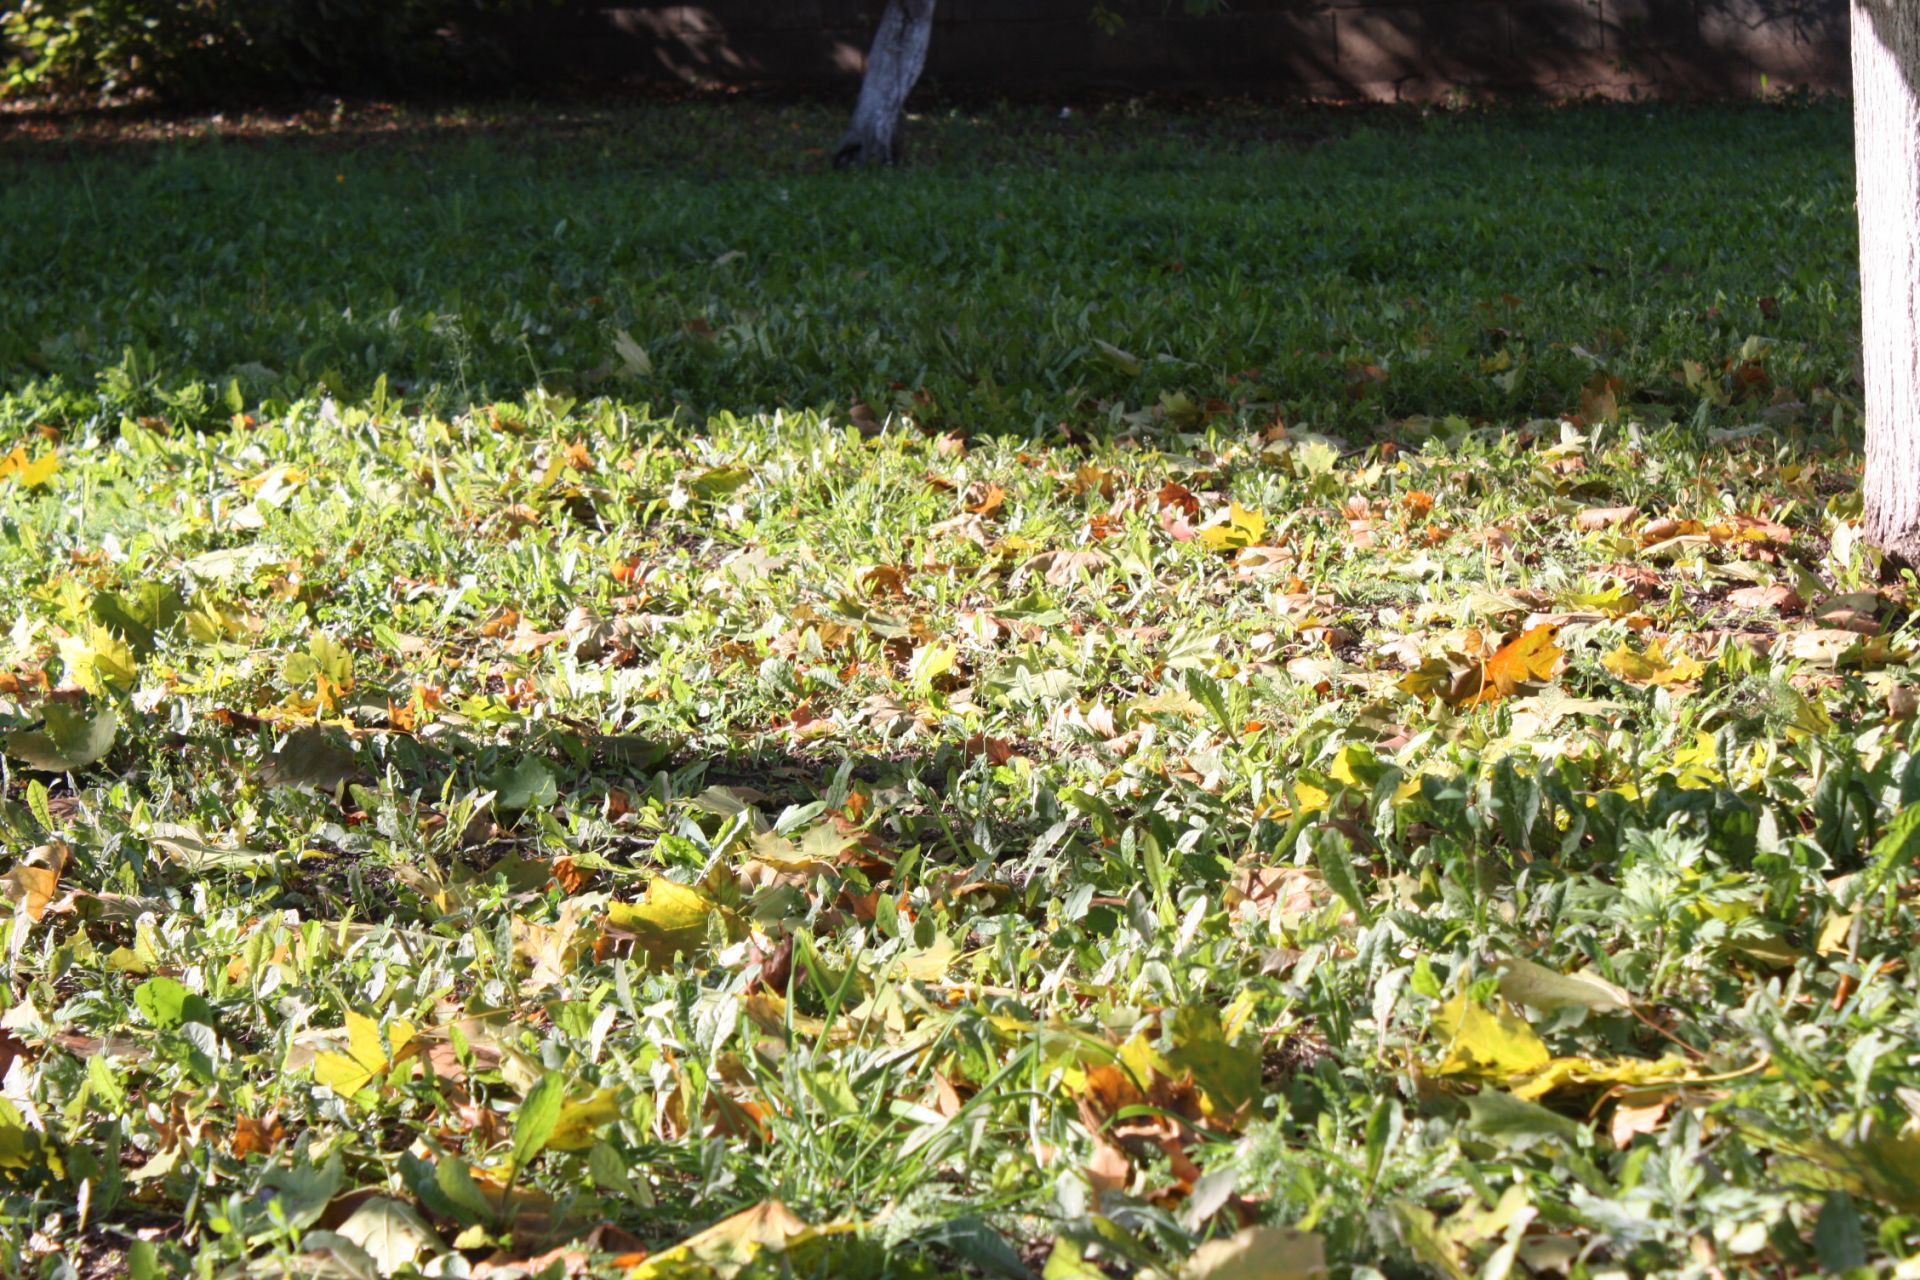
1595	518
1630	1119
1781	600
32	881
1063	568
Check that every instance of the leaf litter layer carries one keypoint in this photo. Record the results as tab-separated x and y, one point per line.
1238	709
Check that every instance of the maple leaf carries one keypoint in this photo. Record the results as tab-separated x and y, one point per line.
1530	657
1654	665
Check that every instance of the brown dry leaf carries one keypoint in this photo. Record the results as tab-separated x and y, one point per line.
1177	497
1109	1169
256	1137
1260	562
1667	528
946	1098
997	750
1294	890
885	579
967	527
1496	540
500	624
32	882
1781	600
985	501
1594	518
1834	647
1063	568
1857	612
1630	1119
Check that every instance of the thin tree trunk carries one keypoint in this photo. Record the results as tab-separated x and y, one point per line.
898	56
1886	130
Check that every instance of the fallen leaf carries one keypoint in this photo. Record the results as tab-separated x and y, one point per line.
730	1245
1531	657
1630	1120
1063	568
1538	987
366	1058
393	1234
71	738
672	920
1782	600
1239	527
1260	1253
29	475
1653	665
1594	518
31	883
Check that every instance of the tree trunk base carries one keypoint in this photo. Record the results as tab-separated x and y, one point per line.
1886	123
893	67
859	148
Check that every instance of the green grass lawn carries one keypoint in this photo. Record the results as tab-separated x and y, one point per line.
1146	696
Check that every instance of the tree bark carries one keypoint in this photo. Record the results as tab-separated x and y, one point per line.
1886	125
898	56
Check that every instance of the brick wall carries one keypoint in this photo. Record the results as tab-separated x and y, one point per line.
1381	49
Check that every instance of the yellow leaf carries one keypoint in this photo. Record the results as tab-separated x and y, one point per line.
29	475
931	964
671	920
1227	1075
1566	1073
1489	1043
1615	602
1356	765
99	660
1241	528
365	1059
1652	665
1308	798
730	1245
580	1121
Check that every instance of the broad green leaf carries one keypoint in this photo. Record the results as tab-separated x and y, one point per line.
1517	1122
21	1146
166	1003
1538	987
537	1117
454	1177
1227	1075
72	738
529	784
1897	849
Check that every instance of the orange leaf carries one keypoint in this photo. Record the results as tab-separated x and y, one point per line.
1531	657
988	502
